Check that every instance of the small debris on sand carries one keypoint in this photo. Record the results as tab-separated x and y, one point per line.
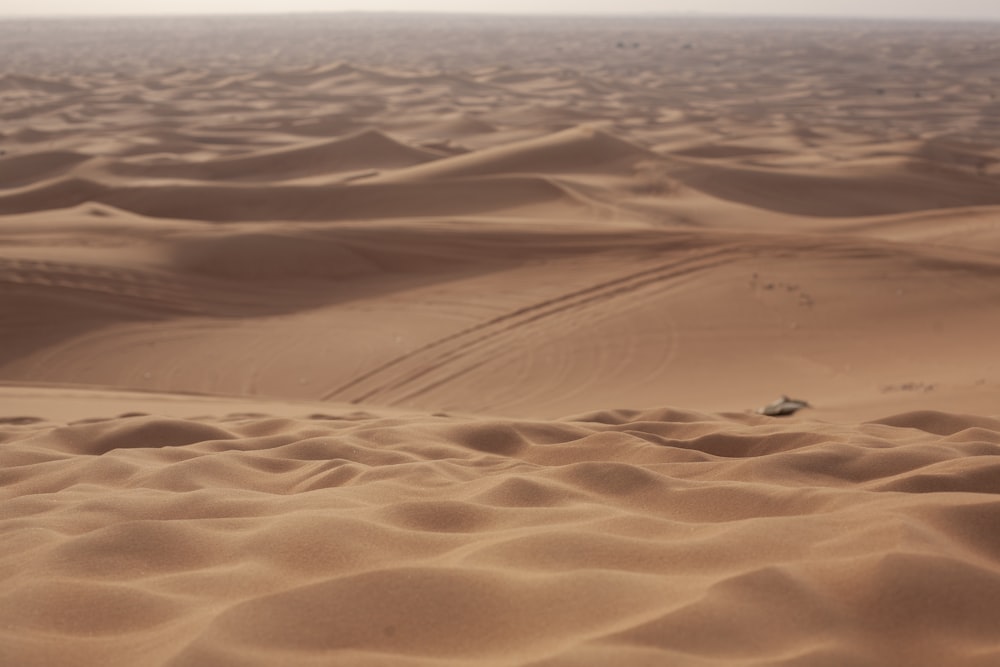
783	407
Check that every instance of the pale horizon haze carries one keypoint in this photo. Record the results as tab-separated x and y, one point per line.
918	9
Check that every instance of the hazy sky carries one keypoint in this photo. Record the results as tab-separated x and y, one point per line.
901	8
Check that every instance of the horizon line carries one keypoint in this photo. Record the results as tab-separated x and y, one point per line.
500	14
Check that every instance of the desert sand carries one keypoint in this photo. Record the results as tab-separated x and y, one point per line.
436	340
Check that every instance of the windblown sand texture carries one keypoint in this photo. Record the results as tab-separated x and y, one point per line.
401	340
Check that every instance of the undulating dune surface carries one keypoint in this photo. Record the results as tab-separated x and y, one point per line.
422	340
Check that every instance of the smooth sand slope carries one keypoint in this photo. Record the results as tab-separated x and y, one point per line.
334	340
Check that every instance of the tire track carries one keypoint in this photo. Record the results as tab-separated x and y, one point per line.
441	356
498	339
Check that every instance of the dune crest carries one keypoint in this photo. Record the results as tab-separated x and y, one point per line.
363	151
577	149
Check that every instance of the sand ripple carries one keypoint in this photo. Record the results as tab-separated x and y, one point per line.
663	536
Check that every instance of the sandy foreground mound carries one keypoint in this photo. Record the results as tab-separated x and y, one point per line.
619	537
343	278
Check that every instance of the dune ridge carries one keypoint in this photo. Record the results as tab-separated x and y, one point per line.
579	148
360	152
377	340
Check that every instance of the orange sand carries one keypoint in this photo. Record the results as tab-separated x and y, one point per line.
351	339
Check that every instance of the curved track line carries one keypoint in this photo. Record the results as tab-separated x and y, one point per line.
408	369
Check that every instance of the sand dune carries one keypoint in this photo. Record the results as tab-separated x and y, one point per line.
22	170
459	127
222	203
360	152
420	340
251	540
845	192
578	149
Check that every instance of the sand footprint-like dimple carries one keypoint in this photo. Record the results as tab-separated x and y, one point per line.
137	432
443	613
138	549
83	608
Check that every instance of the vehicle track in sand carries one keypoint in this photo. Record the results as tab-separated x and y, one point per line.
450	357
